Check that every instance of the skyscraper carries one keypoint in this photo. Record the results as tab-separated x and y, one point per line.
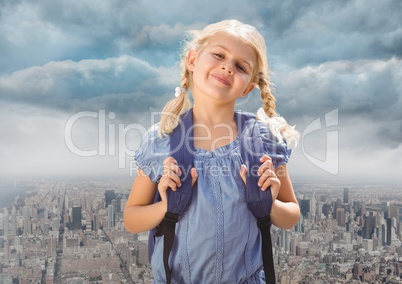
110	216
13	220
5	222
77	217
109	196
346	195
393	212
305	207
369	225
340	217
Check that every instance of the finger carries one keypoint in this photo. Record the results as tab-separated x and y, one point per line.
243	173
171	164
169	160
165	184
194	176
274	185
172	185
265	158
171	175
267	165
265	175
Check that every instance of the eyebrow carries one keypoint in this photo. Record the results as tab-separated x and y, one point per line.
240	59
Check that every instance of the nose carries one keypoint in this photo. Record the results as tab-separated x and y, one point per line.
227	67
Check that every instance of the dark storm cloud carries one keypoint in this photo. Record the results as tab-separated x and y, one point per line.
364	90
313	32
124	84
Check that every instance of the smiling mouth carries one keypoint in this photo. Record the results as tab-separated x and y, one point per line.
221	79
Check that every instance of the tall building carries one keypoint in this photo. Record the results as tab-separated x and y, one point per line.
357	208
110	216
335	205
393	212
340	217
5	222
109	196
346	195
313	205
384	235
13	220
77	217
118	204
369	225
305	207
390	229
95	222
326	208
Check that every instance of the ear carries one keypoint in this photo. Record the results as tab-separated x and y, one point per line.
191	57
249	88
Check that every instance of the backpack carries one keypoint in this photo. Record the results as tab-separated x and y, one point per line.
259	202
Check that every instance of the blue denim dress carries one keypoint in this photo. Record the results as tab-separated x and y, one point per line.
217	240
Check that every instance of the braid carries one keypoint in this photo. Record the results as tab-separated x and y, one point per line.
185	79
175	107
266	96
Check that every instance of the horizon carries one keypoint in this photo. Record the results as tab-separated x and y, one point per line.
296	179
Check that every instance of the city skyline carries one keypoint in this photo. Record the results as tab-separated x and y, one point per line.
80	82
72	232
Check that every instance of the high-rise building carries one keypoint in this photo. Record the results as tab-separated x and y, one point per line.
346	195
326	208
118	204
13	220
369	225
5	222
335	205
389	231
384	235
77	217
313	205
305	207
340	217
95	222
109	196
393	212
110	216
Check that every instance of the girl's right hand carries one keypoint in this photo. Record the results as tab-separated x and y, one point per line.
171	177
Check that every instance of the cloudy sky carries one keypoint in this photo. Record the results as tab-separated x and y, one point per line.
80	81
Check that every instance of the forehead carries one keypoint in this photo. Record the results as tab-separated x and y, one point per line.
234	44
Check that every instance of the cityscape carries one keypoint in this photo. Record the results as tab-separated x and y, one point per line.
71	231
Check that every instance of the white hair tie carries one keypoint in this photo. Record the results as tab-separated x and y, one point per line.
179	91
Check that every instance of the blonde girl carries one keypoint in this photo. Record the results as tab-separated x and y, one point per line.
217	239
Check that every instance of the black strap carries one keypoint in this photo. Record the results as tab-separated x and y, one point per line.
170	221
259	202
264	224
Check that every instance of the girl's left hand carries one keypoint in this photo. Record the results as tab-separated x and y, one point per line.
268	177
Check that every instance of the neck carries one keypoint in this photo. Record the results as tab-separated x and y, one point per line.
213	115
215	126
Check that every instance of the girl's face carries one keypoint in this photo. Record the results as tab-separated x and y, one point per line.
223	69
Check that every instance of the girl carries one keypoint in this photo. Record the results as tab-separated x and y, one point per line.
217	239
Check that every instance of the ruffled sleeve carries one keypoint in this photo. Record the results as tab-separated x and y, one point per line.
276	148
151	153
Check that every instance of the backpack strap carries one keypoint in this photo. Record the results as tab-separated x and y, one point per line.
182	150
259	202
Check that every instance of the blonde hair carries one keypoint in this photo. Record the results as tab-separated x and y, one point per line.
198	40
